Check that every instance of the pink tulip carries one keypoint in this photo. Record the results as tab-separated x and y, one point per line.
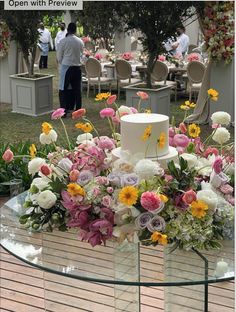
189	197
46	170
58	113
79	113
107	112
218	165
111	99
142	95
8	155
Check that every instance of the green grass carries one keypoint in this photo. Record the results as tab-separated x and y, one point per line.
17	127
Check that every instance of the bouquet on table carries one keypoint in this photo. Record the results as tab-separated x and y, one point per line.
189	204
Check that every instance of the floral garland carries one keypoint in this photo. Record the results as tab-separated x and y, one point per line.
219	30
4	39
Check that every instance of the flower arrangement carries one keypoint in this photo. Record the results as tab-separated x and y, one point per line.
219	30
128	56
80	186
194	57
4	39
161	58
86	39
98	56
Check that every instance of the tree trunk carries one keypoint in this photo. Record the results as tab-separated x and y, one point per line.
27	61
33	55
150	65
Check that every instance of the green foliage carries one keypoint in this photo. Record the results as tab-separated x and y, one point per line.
53	23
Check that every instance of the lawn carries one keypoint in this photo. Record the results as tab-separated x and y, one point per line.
18	127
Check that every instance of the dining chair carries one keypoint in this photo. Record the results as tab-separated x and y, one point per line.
124	75
159	76
191	47
93	70
195	73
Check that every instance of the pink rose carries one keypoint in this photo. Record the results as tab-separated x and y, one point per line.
8	155
218	165
106	201
110	190
150	201
74	174
79	113
107	112
142	95
58	113
111	99
226	189
161	58
189	197
183	128
181	140
45	169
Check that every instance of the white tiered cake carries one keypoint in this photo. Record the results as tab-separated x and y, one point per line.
147	134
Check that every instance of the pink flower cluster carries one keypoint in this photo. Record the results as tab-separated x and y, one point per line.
162	58
128	56
194	57
98	56
85	39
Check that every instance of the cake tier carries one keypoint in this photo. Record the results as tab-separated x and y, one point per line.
135	130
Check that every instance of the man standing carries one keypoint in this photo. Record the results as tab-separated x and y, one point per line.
61	34
182	43
45	39
69	53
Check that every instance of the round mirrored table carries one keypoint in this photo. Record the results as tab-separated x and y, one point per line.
127	266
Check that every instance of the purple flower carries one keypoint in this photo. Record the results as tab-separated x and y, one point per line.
108	214
129	179
143	220
179	203
114	178
81	220
156	224
85	177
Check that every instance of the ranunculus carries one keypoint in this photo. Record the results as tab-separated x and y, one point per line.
181	140
58	113
227	189
74	174
111	99
145	169
211	150
107	112
221	135
142	95
106	201
217	180
190	158
84	138
105	142
172	132
40	183
183	127
221	118
85	177
65	164
156	224
189	197
48	138
45	169
218	165
123	110
116	120
209	197
46	199
35	164
134	110
79	113
8	155
129	179
150	201
143	219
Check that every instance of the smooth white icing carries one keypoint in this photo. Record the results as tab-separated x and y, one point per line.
133	127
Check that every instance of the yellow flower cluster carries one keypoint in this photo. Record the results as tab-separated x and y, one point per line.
128	195
32	151
213	94
102	96
199	209
194	131
85	127
157	237
75	189
162	140
46	127
187	105
147	133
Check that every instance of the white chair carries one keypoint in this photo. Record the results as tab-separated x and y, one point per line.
159	76
93	70
124	75
195	73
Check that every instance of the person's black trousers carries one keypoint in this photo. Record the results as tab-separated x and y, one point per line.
43	62
71	99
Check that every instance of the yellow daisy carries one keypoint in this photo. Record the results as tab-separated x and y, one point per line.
194	131
162	140
32	151
128	195
46	128
184	107
213	94
102	96
158	237
75	189
147	133
199	209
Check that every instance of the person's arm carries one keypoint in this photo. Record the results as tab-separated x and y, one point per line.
60	51
50	40
175	45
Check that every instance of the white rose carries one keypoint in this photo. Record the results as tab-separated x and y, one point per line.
190	158
222	118
39	183
209	197
46	199
84	138
221	135
35	164
48	138
123	110
147	168
65	164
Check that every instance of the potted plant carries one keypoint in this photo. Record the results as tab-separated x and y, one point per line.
31	93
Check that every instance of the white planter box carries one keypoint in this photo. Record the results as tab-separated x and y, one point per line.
32	96
158	101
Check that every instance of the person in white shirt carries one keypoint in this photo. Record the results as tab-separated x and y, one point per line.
69	54
182	43
45	39
61	34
